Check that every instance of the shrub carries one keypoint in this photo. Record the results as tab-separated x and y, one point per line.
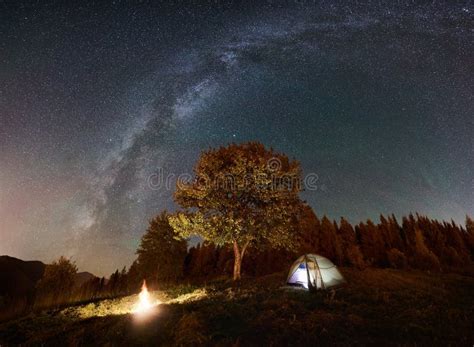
355	257
190	331
57	282
397	259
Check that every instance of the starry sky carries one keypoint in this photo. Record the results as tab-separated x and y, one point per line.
375	99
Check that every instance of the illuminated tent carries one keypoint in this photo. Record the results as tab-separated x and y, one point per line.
313	271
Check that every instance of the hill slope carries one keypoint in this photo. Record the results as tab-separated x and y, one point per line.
83	277
18	277
377	307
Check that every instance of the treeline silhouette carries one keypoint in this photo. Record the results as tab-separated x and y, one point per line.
415	242
418	242
57	287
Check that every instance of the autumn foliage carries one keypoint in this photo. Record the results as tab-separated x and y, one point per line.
241	196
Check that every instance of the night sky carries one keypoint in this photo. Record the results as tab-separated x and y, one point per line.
377	100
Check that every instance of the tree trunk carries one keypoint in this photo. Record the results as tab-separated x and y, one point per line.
238	256
237	262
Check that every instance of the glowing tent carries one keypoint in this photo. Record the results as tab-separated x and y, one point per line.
313	271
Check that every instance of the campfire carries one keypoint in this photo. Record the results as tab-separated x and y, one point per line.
145	302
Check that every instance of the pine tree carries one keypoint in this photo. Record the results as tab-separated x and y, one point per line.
424	258
372	244
470	235
134	279
161	255
113	283
351	251
309	229
329	242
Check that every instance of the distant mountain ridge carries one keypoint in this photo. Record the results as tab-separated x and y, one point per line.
83	277
18	278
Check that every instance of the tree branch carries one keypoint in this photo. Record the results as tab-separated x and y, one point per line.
244	248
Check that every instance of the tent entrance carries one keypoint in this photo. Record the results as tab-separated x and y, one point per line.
314	272
307	275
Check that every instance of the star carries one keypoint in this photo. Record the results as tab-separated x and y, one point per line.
94	102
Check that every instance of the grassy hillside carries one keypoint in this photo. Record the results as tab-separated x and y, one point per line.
377	306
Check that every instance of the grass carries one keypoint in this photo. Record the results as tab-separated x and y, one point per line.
377	306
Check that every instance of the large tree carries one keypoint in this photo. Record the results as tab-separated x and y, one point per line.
161	255
241	194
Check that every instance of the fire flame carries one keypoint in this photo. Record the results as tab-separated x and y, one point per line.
144	300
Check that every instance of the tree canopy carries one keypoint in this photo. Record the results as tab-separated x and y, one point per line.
241	194
57	281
